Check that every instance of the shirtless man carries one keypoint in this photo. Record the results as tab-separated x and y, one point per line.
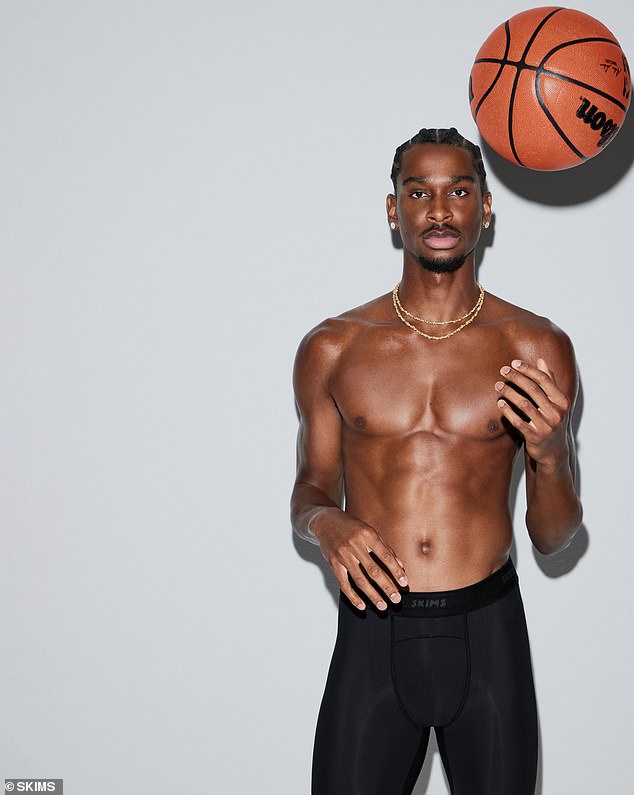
412	409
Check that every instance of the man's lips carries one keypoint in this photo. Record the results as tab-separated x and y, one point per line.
438	230
441	238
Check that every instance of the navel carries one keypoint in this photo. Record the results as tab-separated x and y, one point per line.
425	547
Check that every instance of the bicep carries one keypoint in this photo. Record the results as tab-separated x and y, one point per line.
319	458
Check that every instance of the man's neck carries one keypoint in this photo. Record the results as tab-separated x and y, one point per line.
438	296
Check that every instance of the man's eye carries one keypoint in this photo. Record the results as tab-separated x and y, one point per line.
417	194
460	192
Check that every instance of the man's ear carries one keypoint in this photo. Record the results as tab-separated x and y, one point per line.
390	206
486	208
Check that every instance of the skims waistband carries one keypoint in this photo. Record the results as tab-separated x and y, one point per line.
439	603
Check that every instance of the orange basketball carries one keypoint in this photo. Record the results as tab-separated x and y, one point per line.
549	88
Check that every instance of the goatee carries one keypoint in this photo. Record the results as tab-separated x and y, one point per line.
442	266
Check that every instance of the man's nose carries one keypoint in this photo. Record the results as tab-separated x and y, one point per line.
438	211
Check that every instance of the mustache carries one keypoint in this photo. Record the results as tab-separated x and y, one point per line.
440	228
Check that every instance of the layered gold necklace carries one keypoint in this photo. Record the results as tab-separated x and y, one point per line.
464	320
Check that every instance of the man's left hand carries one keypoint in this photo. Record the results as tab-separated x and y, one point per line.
535	393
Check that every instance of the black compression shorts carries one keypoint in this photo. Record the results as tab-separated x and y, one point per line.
458	661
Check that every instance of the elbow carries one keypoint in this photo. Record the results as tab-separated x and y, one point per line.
548	548
550	541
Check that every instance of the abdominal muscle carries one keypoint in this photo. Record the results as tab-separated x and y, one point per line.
445	516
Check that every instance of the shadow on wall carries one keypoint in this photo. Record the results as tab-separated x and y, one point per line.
573	185
312	554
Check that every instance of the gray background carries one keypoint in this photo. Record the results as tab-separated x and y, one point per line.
187	188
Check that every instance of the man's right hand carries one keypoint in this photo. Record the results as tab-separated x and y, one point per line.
346	543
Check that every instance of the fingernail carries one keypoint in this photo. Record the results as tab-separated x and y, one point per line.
505	370
501	404
395	597
360	606
516	363
381	605
499	386
402	581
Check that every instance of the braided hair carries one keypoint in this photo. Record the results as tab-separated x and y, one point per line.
441	136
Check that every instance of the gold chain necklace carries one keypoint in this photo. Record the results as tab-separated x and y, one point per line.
468	318
475	308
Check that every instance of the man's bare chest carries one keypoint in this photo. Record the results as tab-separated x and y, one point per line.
385	388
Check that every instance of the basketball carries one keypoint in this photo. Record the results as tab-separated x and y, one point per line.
549	88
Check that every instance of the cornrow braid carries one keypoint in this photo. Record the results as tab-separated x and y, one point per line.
441	136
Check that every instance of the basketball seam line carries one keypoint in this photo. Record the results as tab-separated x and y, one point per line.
550	117
537	30
539	70
575	82
568	43
497	77
578	82
517	78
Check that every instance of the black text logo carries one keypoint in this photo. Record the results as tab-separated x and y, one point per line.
597	119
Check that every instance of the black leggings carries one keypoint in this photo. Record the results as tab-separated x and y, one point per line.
458	661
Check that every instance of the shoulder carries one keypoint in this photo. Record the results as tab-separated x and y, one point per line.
324	345
525	327
534	337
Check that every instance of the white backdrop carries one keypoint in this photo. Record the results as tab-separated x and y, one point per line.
187	188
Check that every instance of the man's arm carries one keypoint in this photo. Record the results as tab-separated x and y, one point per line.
546	397
349	545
